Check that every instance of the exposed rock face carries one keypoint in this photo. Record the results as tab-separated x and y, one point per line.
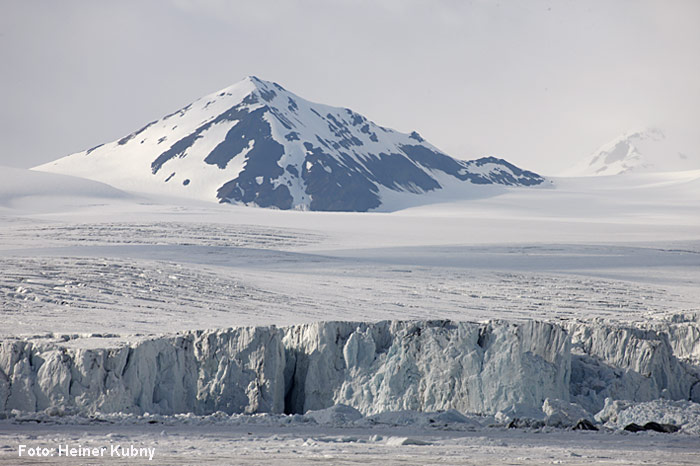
371	367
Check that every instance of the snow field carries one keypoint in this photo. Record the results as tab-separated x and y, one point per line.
106	289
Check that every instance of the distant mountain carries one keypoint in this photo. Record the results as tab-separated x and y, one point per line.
255	143
637	152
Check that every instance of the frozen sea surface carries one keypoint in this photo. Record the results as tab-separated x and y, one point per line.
304	445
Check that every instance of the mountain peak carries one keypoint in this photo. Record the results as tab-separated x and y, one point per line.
255	143
261	83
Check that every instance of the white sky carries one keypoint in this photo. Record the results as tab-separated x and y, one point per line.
540	83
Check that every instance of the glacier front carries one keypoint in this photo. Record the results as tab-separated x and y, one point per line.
482	368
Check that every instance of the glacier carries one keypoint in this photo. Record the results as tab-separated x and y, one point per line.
497	367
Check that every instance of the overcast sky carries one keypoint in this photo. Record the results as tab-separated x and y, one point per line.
540	83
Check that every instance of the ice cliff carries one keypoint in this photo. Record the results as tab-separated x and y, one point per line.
638	364
373	367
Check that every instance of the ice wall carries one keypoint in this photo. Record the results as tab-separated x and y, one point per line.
430	366
374	367
237	370
627	363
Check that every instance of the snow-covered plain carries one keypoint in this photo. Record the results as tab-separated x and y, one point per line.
608	268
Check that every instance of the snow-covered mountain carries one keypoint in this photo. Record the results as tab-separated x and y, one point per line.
256	143
639	152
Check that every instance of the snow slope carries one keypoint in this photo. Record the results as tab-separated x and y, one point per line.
26	190
256	143
643	151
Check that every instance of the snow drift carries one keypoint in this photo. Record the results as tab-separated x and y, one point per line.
373	367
